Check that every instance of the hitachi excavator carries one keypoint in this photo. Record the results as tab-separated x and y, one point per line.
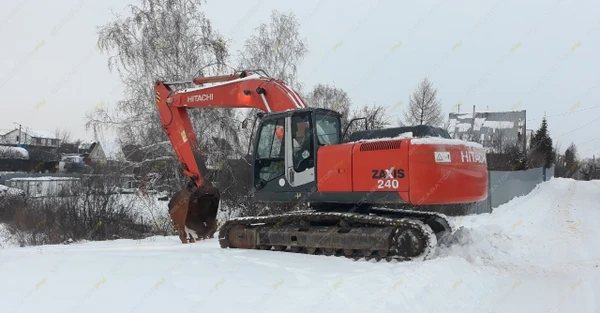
377	195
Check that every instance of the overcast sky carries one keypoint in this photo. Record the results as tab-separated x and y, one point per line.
497	55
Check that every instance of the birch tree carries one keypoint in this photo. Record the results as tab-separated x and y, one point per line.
330	97
277	48
164	40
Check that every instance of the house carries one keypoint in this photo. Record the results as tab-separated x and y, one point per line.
92	152
494	130
29	136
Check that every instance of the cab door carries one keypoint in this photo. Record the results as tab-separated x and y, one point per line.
269	159
300	157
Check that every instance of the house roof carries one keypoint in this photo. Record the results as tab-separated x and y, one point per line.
30	132
4	131
112	150
40	133
85	145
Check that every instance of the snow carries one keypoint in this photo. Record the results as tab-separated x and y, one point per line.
498	124
148	209
478	123
537	253
400	136
4	131
444	141
40	133
112	150
209	85
85	145
483	122
6	240
4	190
16	151
43	178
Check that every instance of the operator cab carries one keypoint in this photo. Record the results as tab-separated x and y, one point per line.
285	150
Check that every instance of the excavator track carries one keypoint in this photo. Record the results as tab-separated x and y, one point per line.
400	235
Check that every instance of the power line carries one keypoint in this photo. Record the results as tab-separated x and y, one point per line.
565	113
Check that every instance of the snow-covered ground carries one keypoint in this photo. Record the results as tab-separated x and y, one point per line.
537	253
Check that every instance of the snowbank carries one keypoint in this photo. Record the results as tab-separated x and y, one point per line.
10	191
6	240
537	253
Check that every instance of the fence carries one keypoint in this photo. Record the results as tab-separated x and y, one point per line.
503	186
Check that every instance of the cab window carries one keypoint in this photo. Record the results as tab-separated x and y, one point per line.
270	155
328	129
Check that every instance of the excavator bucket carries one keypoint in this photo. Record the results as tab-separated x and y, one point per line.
194	212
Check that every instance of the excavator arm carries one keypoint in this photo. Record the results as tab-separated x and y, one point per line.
193	209
239	90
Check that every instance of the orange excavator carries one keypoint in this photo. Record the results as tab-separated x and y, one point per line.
380	194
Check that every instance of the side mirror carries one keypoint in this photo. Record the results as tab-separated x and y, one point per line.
244	124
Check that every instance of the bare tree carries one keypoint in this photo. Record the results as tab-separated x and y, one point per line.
399	122
375	116
62	134
498	143
588	170
276	48
424	108
329	97
166	40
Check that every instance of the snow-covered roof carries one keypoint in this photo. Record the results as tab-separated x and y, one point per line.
85	145
112	150
30	132
4	131
40	133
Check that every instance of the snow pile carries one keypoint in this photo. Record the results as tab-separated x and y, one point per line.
7	152
6	239
537	253
10	191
